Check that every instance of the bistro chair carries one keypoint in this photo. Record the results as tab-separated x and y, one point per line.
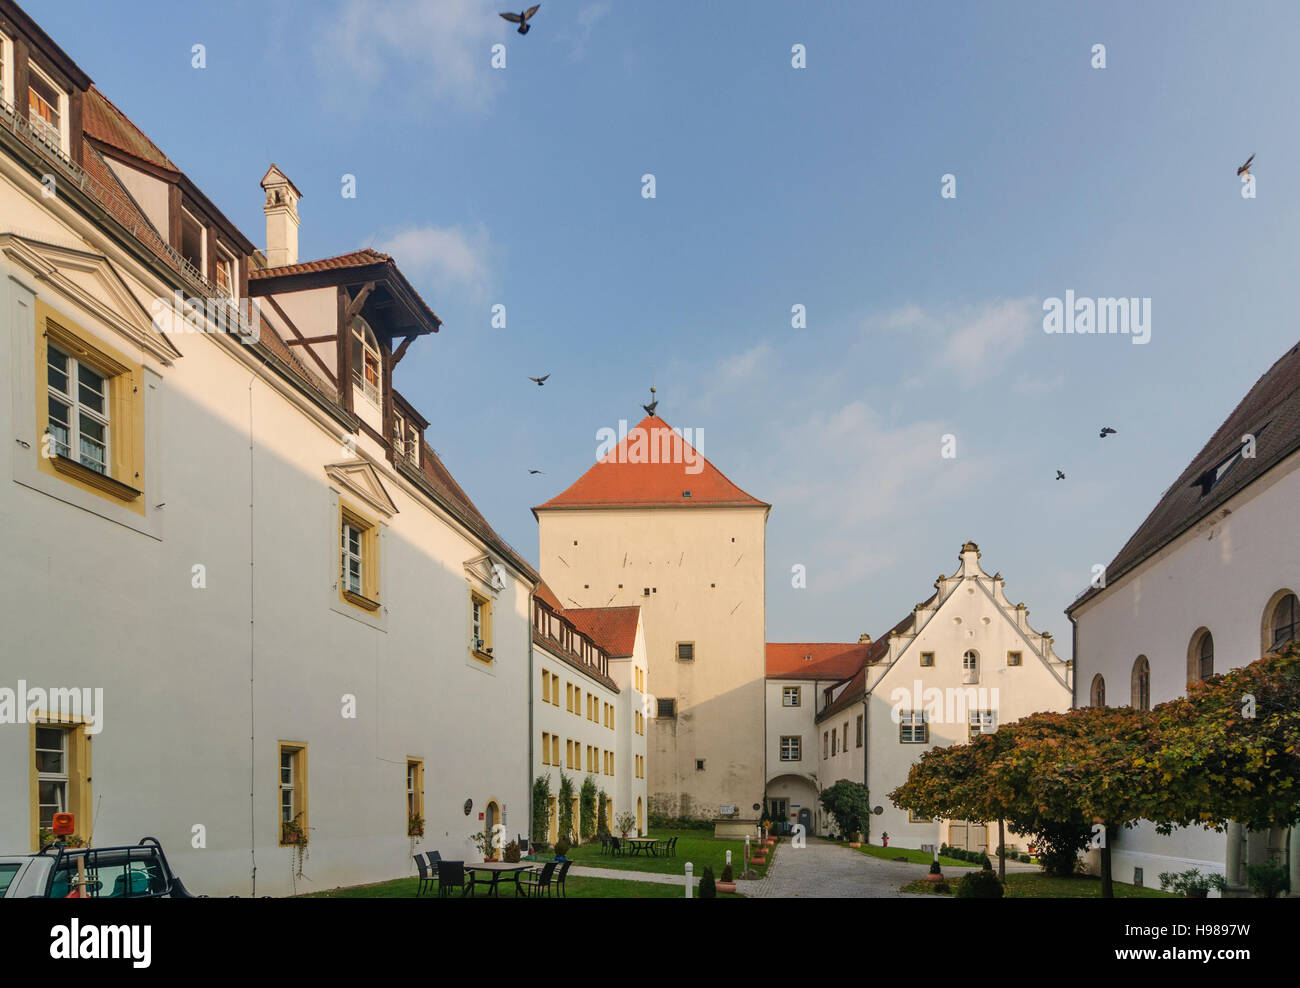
559	878
427	880
451	875
615	846
539	881
434	857
604	843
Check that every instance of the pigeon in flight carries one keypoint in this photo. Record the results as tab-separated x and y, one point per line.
654	403
522	19
1245	169
1107	431
534	471
540	380
1059	475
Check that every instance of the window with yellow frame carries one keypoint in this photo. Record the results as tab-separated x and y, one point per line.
415	797
60	776
291	802
89	412
358	558
480	629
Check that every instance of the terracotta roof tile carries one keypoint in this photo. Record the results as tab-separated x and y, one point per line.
612	628
814	660
355	259
625	478
103	121
1271	412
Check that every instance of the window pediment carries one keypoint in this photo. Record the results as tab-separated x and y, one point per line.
361	480
93	284
486	574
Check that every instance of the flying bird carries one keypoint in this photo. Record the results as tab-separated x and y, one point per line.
540	380
522	19
534	471
1059	475
1107	431
1245	169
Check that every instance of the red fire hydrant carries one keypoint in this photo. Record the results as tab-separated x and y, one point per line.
884	838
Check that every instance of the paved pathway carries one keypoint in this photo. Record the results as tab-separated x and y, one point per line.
582	871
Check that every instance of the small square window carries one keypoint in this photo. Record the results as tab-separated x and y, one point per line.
666	708
685	651
927	658
1013	658
699	764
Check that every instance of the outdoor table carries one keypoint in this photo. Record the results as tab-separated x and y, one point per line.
639	844
499	868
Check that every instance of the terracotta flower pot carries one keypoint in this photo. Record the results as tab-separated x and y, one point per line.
725	886
854	843
934	878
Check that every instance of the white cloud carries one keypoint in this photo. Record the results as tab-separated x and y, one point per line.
434	51
452	259
577	36
996	327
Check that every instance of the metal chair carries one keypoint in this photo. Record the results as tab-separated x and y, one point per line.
451	875
427	880
559	878
539	881
615	846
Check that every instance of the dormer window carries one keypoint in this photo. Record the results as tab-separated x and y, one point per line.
46	108
365	360
225	271
6	68
193	241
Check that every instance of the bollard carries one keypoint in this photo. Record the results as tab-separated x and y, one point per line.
689	869
728	857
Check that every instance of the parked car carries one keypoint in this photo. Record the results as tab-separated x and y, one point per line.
129	871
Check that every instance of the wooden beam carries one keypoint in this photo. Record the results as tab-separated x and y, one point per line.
300	340
355	306
304	340
401	350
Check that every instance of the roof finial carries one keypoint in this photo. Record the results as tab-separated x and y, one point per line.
650	408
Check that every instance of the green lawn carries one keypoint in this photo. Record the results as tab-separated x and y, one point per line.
578	888
695	846
914	856
1036	885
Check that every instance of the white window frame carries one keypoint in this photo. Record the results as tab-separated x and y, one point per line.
913	727
347	555
61	778
224	257
976	719
76	409
476	624
791	748
287	756
362	332
6	70
202	265
412	770
970	667
60	107
791	691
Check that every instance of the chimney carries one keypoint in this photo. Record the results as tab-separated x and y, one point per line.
281	218
864	639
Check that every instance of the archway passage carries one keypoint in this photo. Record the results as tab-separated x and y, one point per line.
490	815
640	818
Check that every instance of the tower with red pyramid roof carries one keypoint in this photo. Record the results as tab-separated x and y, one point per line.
654	523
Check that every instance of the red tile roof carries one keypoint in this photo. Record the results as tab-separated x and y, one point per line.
356	259
876	652
815	660
1270	411
104	122
622	478
547	596
612	628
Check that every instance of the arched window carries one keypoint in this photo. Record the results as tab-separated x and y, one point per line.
970	667
1285	623
1141	687
1200	656
1098	691
365	359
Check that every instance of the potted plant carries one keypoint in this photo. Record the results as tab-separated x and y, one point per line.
562	849
415	825
625	821
1192	883
936	873
727	883
292	832
483	842
511	852
708	884
1268	881
855	839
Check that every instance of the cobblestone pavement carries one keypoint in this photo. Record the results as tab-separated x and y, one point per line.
825	870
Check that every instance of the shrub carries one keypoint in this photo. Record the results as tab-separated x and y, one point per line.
850	804
942	886
1059	845
728	875
935	869
602	813
566	806
708	885
984	862
625	821
660	822
1268	880
1192	883
541	808
587	809
562	847
511	852
982	884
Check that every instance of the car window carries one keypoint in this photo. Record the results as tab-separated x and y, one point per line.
7	872
112	877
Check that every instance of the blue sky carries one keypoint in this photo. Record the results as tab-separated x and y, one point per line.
777	187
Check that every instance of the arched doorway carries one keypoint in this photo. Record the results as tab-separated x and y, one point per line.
640	819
